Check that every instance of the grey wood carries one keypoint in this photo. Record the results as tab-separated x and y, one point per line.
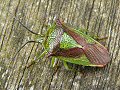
101	17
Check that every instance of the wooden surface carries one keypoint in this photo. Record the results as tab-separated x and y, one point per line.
101	17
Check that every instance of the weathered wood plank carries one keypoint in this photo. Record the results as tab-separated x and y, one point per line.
102	17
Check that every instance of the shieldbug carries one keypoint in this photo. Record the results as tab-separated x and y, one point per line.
71	45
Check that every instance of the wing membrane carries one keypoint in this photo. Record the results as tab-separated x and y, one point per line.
97	54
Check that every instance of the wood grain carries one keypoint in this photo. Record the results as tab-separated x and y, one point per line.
101	17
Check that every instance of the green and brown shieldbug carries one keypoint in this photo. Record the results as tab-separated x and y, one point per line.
71	45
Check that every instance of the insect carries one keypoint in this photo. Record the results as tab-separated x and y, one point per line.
71	45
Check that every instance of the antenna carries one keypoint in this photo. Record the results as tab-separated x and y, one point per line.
24	25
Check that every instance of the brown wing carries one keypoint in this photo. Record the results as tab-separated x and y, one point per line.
72	52
97	54
80	40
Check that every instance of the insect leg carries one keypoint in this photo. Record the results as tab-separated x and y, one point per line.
68	67
35	61
54	62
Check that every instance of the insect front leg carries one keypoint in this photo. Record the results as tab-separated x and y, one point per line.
32	62
37	60
54	62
